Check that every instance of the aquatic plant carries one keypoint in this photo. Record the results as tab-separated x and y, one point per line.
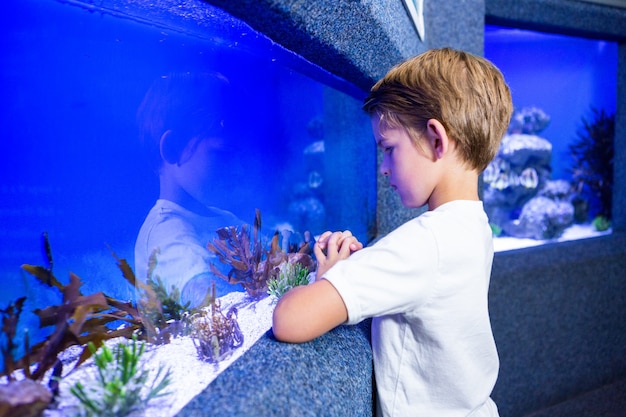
290	275
122	383
601	223
252	265
592	167
164	314
214	334
495	229
81	319
78	320
161	309
171	306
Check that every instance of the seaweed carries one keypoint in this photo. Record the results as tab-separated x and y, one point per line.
88	321
171	306
78	320
10	318
164	314
214	334
592	167
252	265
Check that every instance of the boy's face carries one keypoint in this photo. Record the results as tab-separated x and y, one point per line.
409	168
205	166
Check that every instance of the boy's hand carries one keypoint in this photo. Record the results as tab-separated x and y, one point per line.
333	247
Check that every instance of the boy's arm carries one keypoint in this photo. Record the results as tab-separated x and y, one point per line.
306	312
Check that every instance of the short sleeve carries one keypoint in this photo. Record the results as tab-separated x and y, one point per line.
395	275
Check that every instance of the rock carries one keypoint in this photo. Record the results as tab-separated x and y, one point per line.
25	398
541	218
559	190
522	150
520	169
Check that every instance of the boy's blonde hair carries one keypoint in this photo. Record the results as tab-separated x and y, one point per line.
464	92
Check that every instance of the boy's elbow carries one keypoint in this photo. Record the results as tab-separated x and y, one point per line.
306	312
285	324
280	328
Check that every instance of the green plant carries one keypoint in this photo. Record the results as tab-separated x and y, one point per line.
495	229
592	169
290	275
122	383
172	307
601	223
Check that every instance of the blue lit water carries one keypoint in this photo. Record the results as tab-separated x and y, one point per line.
72	79
565	76
559	81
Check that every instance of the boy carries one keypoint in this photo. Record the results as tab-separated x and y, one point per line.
439	119
186	123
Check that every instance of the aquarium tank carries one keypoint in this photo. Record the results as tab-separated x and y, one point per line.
552	177
144	158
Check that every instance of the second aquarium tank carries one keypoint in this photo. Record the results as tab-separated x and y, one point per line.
552	178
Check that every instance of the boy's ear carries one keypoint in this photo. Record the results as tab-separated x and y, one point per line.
169	147
438	138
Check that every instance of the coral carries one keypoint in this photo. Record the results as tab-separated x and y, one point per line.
592	167
122	383
214	334
252	265
290	275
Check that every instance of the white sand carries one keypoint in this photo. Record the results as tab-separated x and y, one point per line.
190	375
575	232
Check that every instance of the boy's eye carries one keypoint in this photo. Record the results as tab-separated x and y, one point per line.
388	149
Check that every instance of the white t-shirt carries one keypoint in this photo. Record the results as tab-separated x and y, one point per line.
426	286
183	260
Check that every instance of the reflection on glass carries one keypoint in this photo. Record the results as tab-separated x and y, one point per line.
146	141
543	185
188	126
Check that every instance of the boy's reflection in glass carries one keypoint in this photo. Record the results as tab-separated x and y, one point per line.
187	123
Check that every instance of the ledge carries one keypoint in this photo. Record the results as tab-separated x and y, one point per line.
329	376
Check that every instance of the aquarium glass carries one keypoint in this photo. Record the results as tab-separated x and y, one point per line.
104	113
552	179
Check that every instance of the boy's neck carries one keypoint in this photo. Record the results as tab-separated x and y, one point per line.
461	185
172	192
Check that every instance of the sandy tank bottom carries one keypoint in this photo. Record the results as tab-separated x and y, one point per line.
190	375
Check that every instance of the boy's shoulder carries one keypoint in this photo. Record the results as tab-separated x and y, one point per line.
456	218
456	209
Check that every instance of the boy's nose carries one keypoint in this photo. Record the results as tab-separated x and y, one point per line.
384	166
